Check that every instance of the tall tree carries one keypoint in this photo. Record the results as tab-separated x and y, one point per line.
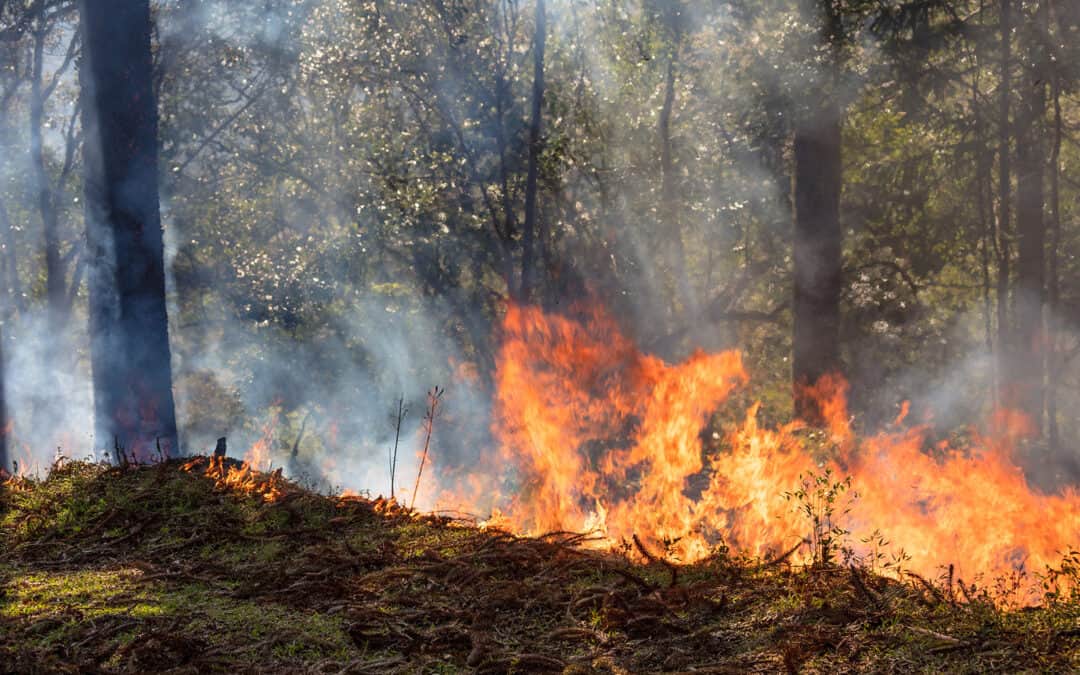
129	338
818	237
530	238
1004	226
1031	226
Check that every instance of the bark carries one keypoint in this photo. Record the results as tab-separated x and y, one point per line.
1004	233
816	249
129	339
1053	282
817	255
529	243
669	198
1027	385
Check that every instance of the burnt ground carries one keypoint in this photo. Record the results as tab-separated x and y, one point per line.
162	569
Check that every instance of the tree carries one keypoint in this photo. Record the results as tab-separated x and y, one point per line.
818	237
129	339
536	121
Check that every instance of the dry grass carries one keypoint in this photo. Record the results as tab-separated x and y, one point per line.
158	569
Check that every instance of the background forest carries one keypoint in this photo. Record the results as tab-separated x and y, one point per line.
352	191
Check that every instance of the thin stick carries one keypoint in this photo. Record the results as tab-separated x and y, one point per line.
299	437
402	412
429	423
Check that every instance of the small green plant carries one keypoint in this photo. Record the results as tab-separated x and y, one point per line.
821	498
879	557
1062	584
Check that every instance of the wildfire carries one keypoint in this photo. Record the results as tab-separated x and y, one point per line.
250	475
594	435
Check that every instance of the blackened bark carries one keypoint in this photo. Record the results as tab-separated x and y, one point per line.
529	243
817	252
817	255
129	339
1053	282
1004	238
1027	385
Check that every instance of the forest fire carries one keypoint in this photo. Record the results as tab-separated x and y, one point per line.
596	436
252	475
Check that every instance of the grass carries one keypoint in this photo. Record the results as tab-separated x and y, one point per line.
161	569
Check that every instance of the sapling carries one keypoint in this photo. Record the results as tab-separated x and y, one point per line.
434	397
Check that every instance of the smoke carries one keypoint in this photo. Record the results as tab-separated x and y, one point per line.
330	248
48	392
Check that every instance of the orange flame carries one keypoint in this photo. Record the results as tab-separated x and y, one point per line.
258	455
593	435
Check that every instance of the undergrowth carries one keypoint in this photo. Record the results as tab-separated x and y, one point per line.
158	569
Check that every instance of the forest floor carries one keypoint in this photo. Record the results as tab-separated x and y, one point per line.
162	569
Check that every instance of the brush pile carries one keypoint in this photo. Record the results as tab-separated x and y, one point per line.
177	568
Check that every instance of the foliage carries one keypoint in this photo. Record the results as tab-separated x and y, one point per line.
824	501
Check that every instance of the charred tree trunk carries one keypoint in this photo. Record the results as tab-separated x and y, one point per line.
1053	282
818	238
1028	298
530	238
817	254
1004	228
129	338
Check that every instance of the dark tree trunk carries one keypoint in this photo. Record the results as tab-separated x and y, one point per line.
673	246
1027	384
817	254
129	339
530	239
818	238
1004	238
1053	282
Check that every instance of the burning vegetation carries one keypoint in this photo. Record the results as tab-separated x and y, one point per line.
753	328
595	436
178	567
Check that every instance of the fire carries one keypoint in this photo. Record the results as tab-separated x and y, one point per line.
594	435
258	455
252	475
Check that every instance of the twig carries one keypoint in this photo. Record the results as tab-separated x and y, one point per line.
299	437
402	412
654	559
936	635
781	558
429	424
860	586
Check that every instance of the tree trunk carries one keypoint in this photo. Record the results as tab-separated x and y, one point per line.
816	249
673	246
817	254
129	338
1027	385
1004	238
1053	283
528	250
